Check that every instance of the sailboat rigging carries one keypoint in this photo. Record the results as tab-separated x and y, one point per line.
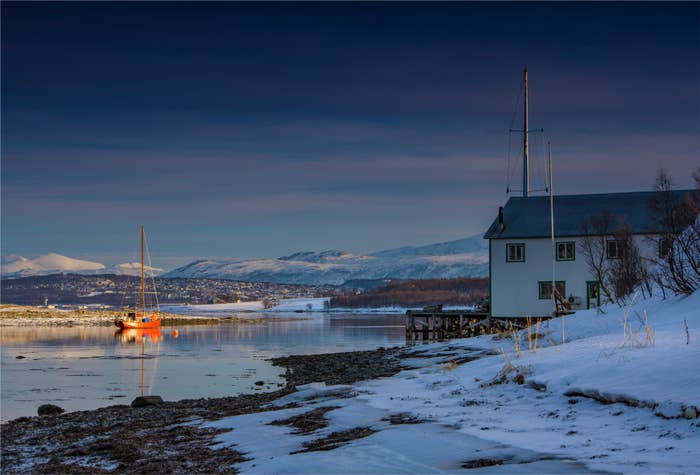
134	319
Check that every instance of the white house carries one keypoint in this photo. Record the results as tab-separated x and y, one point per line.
520	248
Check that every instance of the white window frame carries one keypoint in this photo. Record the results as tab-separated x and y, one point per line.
566	244
618	247
516	246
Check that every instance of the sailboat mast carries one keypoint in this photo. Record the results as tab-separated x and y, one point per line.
143	279
526	154
551	223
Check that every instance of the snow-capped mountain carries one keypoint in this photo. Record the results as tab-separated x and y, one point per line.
461	258
133	268
18	266
10	258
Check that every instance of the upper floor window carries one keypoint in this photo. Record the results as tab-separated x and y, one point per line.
515	252
665	245
566	251
614	249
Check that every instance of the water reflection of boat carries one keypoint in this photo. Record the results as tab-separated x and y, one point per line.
133	335
140	337
135	320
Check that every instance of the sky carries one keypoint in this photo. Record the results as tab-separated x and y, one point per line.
258	130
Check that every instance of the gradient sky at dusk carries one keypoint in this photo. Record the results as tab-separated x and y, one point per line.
263	129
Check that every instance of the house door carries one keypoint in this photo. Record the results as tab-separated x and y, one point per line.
592	294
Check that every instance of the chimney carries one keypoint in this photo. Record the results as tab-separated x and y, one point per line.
500	219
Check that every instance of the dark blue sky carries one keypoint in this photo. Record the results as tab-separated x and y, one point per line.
261	129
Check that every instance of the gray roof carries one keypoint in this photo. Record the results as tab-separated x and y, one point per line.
529	217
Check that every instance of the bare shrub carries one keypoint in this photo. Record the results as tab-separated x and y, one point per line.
618	277
678	263
509	372
637	331
628	271
596	230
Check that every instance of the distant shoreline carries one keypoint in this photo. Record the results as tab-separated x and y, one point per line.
20	316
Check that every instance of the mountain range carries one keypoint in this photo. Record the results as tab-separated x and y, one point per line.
462	258
52	263
466	257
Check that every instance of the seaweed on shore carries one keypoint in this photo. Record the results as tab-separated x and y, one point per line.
170	437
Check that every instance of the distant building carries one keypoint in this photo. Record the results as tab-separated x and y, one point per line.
520	248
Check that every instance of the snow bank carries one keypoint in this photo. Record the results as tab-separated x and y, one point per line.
610	398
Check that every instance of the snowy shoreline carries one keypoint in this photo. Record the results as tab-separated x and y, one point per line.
610	391
24	316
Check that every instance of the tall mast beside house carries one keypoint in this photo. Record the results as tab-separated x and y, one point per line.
520	248
526	157
528	248
526	172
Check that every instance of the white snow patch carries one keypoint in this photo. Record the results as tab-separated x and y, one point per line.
52	263
515	427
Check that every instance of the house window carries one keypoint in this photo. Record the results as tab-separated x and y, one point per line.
546	289
614	249
515	252
665	245
566	251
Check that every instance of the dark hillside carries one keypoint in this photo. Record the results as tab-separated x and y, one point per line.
418	293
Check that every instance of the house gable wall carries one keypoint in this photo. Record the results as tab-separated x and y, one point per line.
515	285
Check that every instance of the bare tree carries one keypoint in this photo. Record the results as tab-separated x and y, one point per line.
627	271
678	263
596	230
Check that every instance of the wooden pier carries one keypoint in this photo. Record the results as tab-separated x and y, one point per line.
436	324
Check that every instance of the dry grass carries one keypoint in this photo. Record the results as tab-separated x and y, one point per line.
509	372
637	332
450	365
517	339
533	337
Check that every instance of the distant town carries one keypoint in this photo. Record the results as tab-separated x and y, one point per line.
122	290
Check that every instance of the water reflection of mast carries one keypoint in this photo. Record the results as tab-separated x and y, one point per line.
134	336
143	354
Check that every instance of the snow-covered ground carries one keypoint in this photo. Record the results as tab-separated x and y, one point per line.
553	412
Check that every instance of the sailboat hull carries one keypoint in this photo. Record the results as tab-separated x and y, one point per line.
136	324
135	320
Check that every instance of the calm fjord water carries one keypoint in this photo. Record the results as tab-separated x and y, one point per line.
81	368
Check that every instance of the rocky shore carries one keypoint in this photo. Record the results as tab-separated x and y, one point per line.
15	315
169	437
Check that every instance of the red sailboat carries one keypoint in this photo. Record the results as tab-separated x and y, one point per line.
134	319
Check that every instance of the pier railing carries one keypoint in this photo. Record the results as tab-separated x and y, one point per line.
431	324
